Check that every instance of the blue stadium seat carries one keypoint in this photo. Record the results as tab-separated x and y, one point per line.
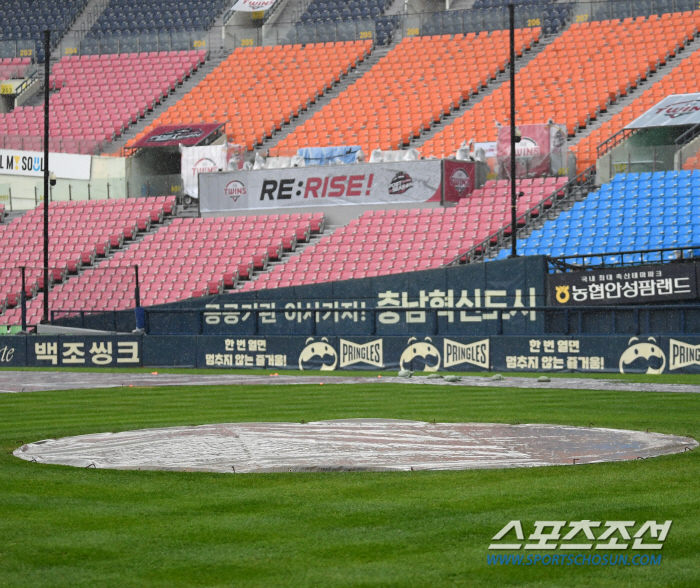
138	17
633	212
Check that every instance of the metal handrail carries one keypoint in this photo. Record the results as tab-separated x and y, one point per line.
688	135
484	245
614	140
561	264
26	83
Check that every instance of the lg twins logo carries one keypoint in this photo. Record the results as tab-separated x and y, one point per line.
459	180
204	165
679	108
527	148
234	190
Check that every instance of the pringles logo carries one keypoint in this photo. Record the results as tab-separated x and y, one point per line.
371	353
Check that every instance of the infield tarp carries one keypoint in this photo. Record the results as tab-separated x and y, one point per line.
333	185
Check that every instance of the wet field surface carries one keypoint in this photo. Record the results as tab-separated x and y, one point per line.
20	381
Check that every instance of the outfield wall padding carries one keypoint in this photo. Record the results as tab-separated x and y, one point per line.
572	354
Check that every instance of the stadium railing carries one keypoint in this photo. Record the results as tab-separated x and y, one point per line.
588	11
577	188
623	258
18	48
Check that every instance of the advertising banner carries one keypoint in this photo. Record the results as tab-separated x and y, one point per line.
674	110
631	285
540	152
471	300
336	185
174	135
460	179
416	352
198	160
252	5
420	354
83	351
339	353
66	166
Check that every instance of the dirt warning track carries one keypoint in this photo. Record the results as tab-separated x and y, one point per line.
19	381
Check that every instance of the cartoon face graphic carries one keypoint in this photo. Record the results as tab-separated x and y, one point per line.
642	357
420	356
318	355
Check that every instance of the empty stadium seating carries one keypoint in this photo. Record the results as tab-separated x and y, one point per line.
634	212
80	232
132	17
27	20
94	105
189	257
256	90
334	10
683	79
570	89
14	67
551	17
408	90
417	238
692	162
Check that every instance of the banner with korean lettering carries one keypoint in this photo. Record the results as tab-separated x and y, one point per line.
630	285
416	352
428	354
333	185
84	351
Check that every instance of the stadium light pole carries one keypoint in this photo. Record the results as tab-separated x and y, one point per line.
47	73
513	198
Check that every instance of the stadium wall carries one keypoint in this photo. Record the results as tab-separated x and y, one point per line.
490	317
650	355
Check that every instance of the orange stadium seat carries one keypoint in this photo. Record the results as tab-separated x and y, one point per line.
575	78
258	89
683	79
413	87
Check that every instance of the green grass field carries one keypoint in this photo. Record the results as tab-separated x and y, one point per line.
62	526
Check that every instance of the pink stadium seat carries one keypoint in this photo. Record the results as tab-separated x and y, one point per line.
82	232
90	108
185	258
